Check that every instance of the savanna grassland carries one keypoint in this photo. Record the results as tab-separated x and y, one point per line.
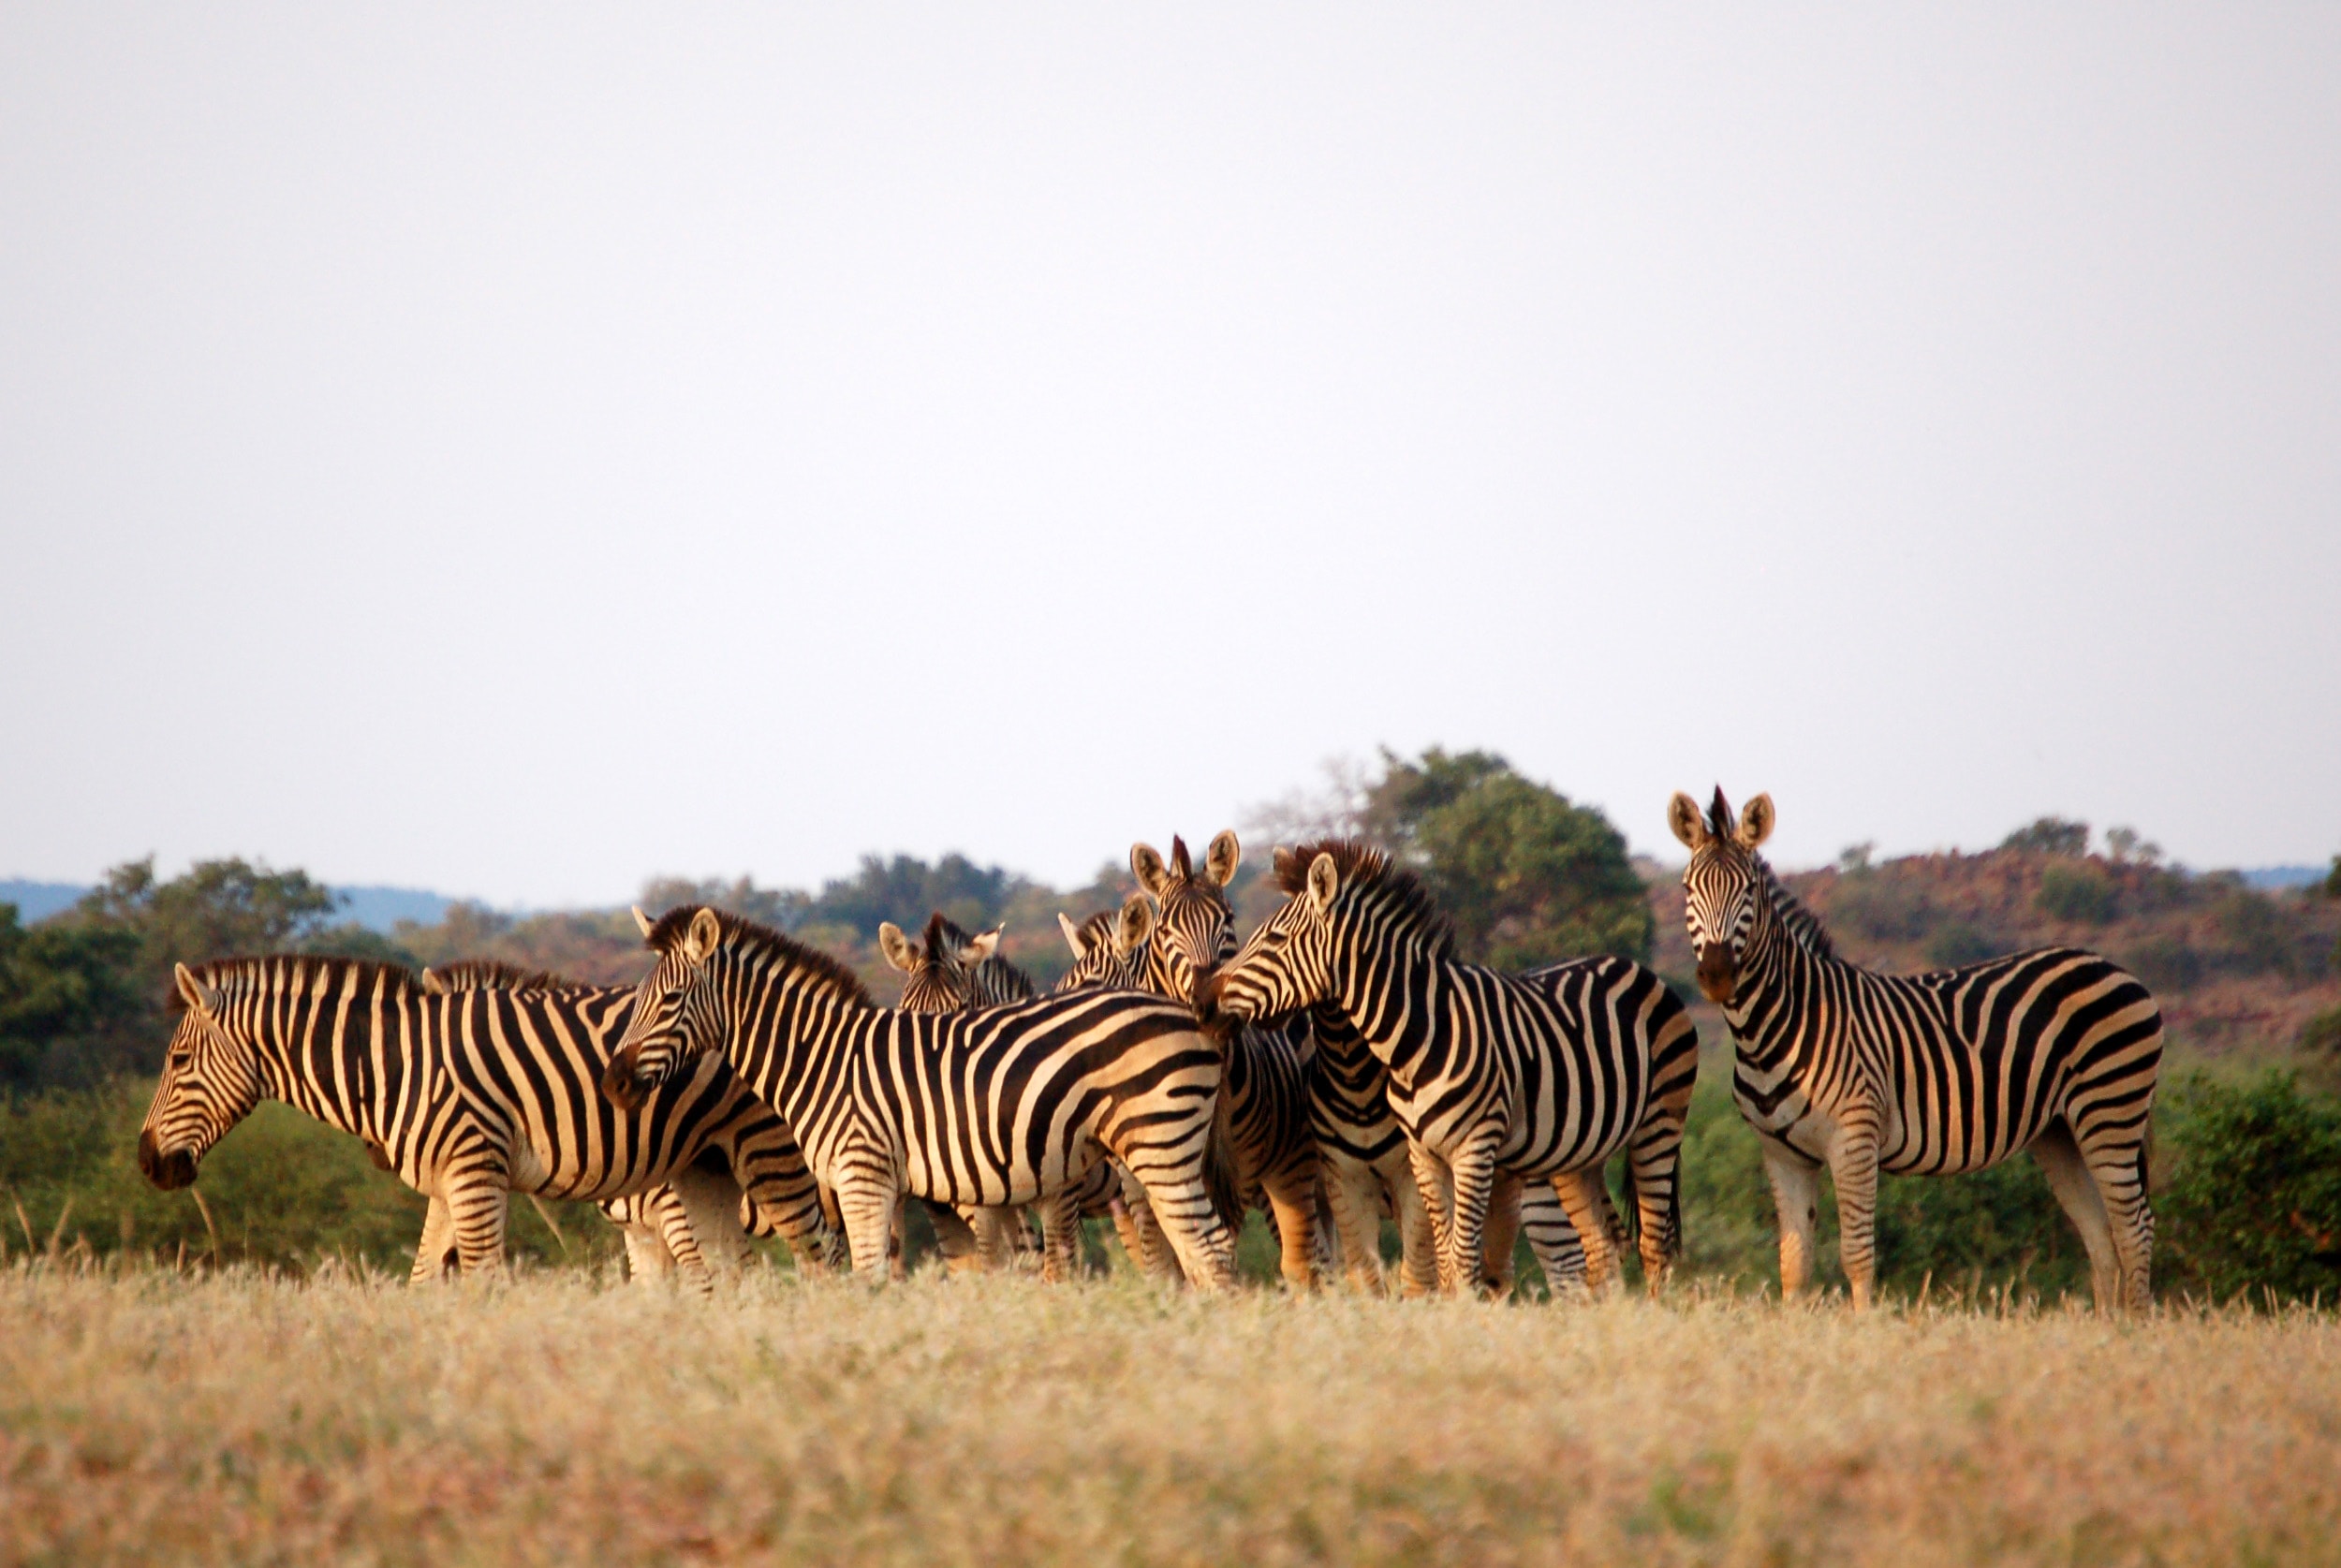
556	1417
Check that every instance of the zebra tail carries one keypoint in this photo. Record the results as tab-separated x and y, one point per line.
1632	1215
1222	1183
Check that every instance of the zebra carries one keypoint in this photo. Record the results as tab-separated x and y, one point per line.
2055	1050
749	1175
466	1095
1541	1076
948	970
1307	1100
997	1106
1264	1102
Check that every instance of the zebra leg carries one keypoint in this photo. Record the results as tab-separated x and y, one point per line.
1418	1238
477	1192
1853	1166
1586	1198
2059	1159
1435	1185
1796	1198
646	1254
2115	1155
673	1219
1181	1201
1349	1188
1154	1255
1553	1239
1503	1235
1472	1168
1060	1232
1653	1161
435	1258
1293	1201
870	1206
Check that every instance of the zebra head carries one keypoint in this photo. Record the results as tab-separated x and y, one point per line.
678	1008
1195	925
1287	964
211	1081
1110	949
1723	886
940	967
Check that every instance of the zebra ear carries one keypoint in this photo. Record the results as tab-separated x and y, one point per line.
433	984
1325	882
1221	859
1072	936
1756	822
1148	867
705	936
897	948
192	991
1137	924
982	944
644	920
1683	817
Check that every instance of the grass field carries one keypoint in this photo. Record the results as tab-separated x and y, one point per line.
558	1419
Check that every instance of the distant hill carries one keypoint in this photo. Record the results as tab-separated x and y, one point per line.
374	908
37	901
2283	876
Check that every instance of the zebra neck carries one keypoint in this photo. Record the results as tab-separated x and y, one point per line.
781	1027
1389	990
316	1054
1776	970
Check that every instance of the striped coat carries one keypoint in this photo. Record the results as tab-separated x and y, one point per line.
1000	1105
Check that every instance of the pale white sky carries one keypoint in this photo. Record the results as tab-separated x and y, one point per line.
518	451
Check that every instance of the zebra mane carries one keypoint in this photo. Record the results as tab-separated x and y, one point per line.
1803	926
311	972
491	975
1373	873
755	941
1095	928
944	938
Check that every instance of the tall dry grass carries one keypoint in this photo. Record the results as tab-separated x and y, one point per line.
555	1419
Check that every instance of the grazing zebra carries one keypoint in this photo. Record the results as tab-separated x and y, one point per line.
1264	1102
466	1095
1003	1105
748	1178
1541	1076
2055	1050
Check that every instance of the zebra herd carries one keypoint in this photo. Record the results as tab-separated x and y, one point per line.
1339	1067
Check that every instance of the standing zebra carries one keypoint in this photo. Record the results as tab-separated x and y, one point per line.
2055	1050
1541	1076
750	1180
1264	1102
1001	1105
466	1095
948	970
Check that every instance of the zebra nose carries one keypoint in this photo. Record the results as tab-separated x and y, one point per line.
170	1172
1206	995
618	1083
1718	976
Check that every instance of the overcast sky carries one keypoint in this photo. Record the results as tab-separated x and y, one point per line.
519	452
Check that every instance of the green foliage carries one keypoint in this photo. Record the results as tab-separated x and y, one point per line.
907	889
2259	939
2050	835
1962	941
66	998
216	910
2331	883
1526	878
781	908
2318	1047
2166	963
2076	892
2254	1201
1879	905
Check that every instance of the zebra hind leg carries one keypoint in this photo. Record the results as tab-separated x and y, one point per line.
1181	1204
1554	1239
2059	1159
1356	1215
434	1258
1586	1198
1501	1238
2115	1153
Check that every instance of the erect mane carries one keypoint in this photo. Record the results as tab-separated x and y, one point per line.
1803	926
312	972
750	940
943	938
1095	928
1377	876
494	975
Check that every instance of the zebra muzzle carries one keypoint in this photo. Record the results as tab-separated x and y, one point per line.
1718	976
619	1085
170	1171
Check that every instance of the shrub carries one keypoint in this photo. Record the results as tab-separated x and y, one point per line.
2165	963
1879	907
2050	835
2076	892
1961	942
2254	1201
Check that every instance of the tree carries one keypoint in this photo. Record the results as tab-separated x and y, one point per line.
218	909
67	1000
781	908
907	889
2050	835
1525	877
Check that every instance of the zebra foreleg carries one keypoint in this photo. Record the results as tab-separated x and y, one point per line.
1350	1188
1060	1236
434	1258
1293	1200
672	1217
1553	1239
1796	1198
1853	1166
868	1205
1471	1168
1418	1238
476	1195
1503	1235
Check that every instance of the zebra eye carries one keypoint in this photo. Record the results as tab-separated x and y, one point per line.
179	1060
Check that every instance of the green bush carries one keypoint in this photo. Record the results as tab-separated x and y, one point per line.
1879	907
2076	892
2165	963
2254	1199
1962	941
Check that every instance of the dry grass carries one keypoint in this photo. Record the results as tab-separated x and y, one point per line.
557	1419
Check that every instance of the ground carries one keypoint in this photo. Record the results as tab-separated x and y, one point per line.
561	1417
